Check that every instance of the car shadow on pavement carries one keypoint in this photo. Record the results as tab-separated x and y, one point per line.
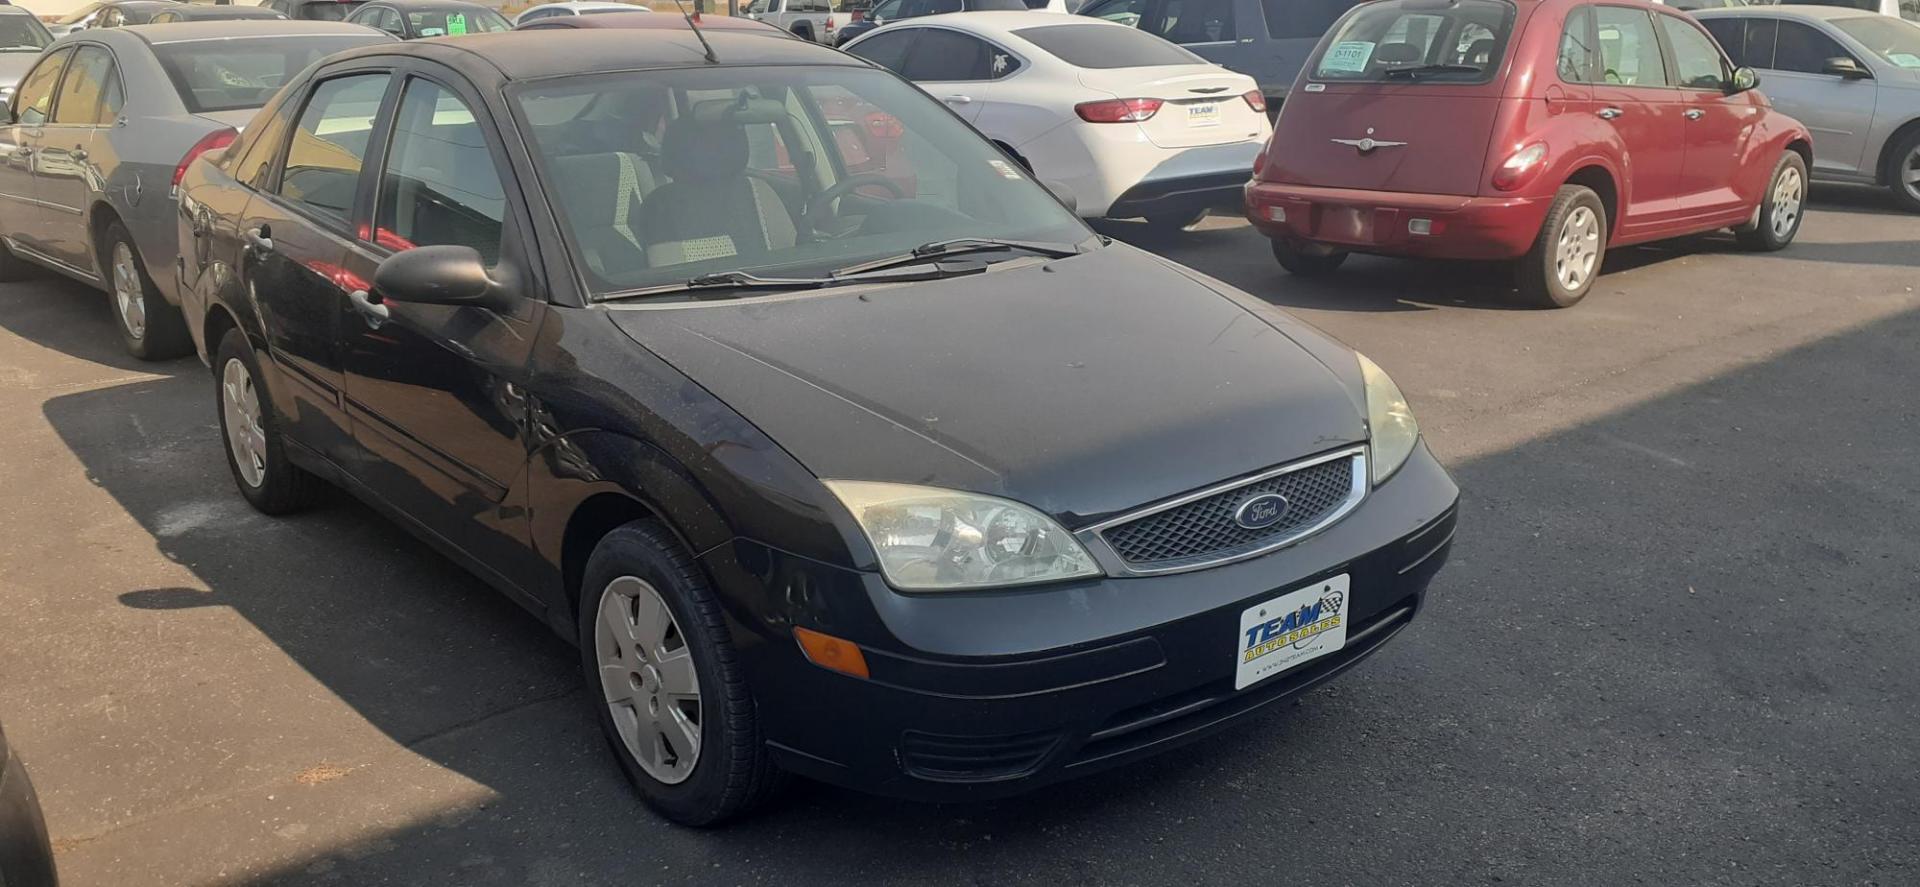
77	320
1566	712
1863	199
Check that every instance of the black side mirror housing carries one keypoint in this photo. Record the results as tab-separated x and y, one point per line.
1846	68
1744	78
438	275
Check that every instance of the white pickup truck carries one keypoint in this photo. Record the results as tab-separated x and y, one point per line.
811	19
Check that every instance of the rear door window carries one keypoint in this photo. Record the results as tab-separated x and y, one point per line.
1805	50
1105	46
33	101
329	144
1401	41
1125	12
90	95
889	49
1629	50
943	56
1194	21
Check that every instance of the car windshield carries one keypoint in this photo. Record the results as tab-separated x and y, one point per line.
1890	38
1417	41
456	21
328	10
228	74
665	176
1105	46
22	33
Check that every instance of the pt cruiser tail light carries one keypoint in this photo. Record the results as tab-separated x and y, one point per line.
1118	110
1520	167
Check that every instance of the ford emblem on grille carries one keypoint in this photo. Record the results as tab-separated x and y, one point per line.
1261	512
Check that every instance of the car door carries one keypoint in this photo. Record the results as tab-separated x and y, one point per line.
294	235
1207	28
1716	123
1631	92
434	391
31	109
1837	110
955	68
66	172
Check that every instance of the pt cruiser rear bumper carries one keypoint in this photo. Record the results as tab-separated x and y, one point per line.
989	694
1440	226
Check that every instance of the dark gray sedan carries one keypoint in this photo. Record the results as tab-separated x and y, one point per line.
1852	77
99	132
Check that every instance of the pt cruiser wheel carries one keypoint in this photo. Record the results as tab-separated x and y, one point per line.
1567	254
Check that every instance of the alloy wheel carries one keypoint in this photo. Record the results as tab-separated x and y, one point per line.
648	679
1578	249
1909	173
1788	192
240	406
128	295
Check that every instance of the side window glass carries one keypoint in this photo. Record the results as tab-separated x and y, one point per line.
888	50
948	56
329	145
33	102
440	185
1801	48
1196	21
1302	19
87	76
1126	12
1761	35
1731	34
1629	51
1576	47
1696	57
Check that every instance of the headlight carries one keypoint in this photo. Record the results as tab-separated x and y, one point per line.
1390	426
930	539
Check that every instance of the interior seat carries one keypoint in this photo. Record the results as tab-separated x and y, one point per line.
603	194
711	209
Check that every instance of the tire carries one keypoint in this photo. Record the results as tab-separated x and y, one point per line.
1782	207
1903	172
1567	254
151	328
1168	223
13	267
267	479
731	771
1307	260
804	32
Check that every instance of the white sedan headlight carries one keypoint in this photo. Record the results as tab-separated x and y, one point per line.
930	539
1390	426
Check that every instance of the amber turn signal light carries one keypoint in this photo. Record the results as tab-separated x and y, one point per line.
831	653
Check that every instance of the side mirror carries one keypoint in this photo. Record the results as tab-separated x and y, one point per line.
437	275
1063	195
1743	79
1846	68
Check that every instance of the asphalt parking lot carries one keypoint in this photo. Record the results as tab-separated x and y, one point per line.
1675	645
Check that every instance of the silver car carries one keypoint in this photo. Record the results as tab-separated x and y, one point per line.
1852	77
102	127
21	39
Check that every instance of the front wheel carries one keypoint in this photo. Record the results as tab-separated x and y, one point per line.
667	687
1307	259
1781	208
1560	268
1903	172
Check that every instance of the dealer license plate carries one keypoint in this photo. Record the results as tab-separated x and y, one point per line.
1204	114
1291	630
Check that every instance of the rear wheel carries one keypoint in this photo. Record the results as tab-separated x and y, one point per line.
1781	208
151	328
1307	259
1566	256
1903	171
251	430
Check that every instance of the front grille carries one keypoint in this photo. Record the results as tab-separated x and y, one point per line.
973	758
1204	530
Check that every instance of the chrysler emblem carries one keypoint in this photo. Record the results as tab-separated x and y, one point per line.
1368	143
1262	511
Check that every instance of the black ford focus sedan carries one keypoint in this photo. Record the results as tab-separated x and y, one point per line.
838	445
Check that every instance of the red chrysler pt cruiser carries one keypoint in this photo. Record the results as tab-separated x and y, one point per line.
1541	131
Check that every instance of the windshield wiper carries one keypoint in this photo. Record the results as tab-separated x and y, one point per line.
1417	70
723	280
940	249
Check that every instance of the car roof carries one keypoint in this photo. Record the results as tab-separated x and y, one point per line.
536	53
176	32
1804	11
1006	20
423	5
657	22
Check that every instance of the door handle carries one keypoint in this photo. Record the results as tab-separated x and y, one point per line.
260	239
1609	113
1694	114
959	100
374	312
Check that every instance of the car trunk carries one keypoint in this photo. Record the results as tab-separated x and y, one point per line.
1444	131
1203	104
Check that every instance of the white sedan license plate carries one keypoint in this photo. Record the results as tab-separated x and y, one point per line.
1204	114
1288	631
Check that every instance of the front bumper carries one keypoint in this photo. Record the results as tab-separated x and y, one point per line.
989	694
1462	227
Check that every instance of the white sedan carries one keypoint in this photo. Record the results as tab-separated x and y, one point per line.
1129	125
575	7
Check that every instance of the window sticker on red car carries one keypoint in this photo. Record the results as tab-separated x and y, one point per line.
1348	56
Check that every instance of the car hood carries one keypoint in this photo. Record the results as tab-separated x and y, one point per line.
14	65
1083	386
